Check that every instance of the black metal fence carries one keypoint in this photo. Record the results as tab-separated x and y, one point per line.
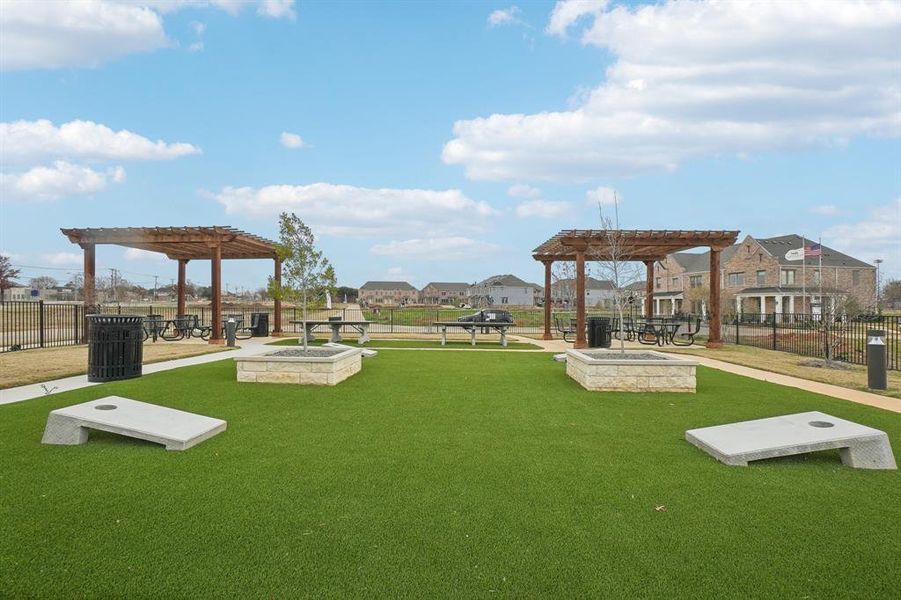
25	324
810	335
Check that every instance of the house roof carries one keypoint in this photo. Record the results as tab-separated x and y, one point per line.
779	245
448	286
504	280
699	262
590	283
388	285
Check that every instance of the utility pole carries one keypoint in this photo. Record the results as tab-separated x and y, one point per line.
154	287
112	283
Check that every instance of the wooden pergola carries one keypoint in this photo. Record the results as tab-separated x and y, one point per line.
647	246
183	244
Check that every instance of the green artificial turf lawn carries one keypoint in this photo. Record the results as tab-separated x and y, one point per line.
451	344
441	474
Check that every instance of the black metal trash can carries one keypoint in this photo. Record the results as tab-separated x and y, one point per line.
599	335
259	324
115	347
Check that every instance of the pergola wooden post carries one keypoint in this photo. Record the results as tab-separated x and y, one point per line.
216	285
548	300
277	319
649	289
580	342
180	293
643	246
183	244
90	270
714	339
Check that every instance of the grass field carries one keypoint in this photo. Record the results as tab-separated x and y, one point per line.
412	343
500	477
44	364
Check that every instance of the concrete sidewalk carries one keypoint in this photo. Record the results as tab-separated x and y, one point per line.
36	390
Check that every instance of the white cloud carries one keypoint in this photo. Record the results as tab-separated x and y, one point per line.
57	181
504	16
877	236
521	190
12	256
545	209
37	140
137	254
567	12
291	140
603	196
399	274
346	210
446	248
63	259
825	209
695	79
196	47
42	34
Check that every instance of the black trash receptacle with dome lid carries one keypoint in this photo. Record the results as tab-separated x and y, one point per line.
115	347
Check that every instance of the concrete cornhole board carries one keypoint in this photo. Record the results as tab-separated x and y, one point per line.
365	351
736	444
175	429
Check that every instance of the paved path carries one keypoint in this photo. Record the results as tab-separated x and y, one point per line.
257	346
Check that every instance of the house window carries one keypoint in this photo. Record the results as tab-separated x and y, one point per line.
787	277
696	281
761	278
855	277
504	300
736	279
658	282
816	277
675	282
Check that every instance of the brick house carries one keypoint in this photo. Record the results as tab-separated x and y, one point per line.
444	292
388	292
757	278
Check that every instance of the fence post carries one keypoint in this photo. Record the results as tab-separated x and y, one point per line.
75	323
392	320
41	322
774	331
737	323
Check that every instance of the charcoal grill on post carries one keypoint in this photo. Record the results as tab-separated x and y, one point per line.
115	347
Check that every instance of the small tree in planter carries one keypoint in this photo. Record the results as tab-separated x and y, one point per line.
306	273
621	273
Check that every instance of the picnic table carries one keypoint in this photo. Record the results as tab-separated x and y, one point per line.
471	327
361	326
657	331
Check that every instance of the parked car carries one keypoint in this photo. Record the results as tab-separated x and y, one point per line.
483	316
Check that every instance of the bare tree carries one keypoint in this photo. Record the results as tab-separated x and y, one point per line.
620	272
7	274
563	276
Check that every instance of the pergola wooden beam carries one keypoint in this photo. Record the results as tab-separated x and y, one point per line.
646	246
215	243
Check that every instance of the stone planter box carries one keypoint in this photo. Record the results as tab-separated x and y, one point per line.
325	367
640	371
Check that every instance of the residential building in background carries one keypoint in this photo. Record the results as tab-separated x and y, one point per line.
444	292
598	293
758	278
502	290
388	292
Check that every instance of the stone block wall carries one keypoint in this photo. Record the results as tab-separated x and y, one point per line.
297	370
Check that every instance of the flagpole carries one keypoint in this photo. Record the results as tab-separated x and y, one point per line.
822	303
803	275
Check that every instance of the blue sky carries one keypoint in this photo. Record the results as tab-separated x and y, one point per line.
743	124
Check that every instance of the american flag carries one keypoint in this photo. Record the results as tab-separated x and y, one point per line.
813	250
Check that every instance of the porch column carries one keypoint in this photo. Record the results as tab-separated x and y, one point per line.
778	309
277	307
182	264
791	304
649	288
216	284
703	309
89	273
672	306
763	309
714	339
738	305
580	342
547	300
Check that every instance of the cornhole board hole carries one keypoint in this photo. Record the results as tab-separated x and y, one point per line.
738	443
365	351
175	429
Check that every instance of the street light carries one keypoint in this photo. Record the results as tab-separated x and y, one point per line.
878	262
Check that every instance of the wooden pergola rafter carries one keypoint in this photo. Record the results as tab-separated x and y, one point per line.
183	244
646	246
